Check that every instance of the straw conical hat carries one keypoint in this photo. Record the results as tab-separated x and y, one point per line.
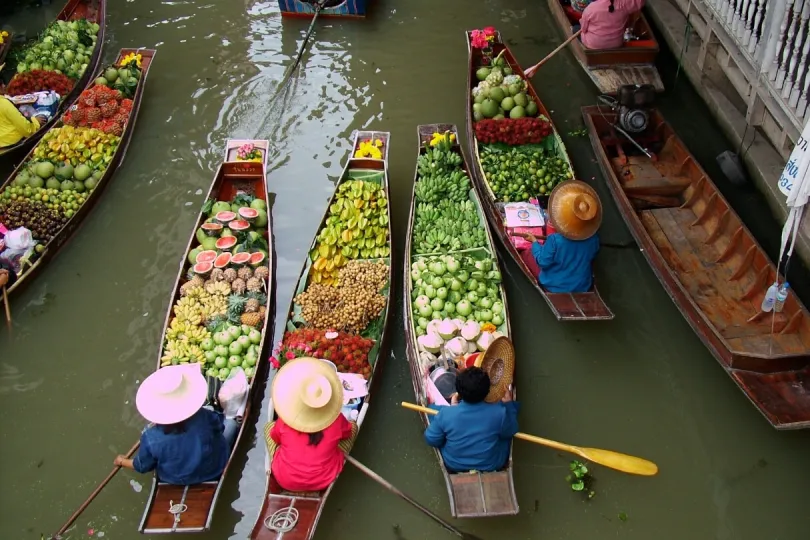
499	363
172	394
307	394
575	210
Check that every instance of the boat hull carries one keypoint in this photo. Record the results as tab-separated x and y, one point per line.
355	9
710	265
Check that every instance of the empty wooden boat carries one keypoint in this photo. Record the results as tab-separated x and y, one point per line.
343	9
710	264
278	503
587	306
94	11
183	509
51	247
632	63
471	494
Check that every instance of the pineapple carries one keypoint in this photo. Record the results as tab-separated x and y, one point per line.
236	305
254	284
252	319
245	273
216	274
238	286
196	281
252	306
262	273
229	275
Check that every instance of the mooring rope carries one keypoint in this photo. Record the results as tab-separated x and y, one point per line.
283	520
176	510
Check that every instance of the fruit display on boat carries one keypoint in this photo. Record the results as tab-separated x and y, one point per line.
356	228
100	108
349	352
217	319
521	156
63	47
80	147
40	80
122	77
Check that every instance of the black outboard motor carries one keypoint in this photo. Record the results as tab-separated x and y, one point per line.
633	102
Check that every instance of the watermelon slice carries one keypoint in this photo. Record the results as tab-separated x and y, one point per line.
212	229
239	224
248	214
226	243
225	217
240	259
257	259
206	256
222	260
203	268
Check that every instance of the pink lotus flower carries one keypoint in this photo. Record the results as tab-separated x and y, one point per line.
489	31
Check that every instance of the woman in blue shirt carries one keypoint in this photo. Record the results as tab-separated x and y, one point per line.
186	443
471	434
566	257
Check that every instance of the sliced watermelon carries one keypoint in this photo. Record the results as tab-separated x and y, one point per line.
212	229
239	225
240	259
222	260
257	259
206	256
225	217
203	268
248	214
226	243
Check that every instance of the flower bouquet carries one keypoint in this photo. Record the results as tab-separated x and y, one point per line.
248	152
482	39
369	148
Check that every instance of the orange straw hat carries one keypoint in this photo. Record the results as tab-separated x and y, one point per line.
575	210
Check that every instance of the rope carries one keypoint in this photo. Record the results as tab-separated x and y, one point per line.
176	510
283	520
687	33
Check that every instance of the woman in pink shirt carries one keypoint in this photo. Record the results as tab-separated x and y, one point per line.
603	22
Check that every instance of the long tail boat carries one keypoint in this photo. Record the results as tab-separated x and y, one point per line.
184	509
52	247
709	263
351	9
587	306
279	505
473	494
632	63
94	11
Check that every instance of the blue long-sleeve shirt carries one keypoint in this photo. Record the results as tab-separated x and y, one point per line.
474	436
566	265
197	455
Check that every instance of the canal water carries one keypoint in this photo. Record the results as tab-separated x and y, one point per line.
87	332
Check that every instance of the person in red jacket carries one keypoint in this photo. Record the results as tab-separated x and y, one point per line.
308	440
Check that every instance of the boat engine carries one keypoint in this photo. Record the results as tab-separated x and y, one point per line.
633	102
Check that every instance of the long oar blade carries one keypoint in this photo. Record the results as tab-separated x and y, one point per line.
608	458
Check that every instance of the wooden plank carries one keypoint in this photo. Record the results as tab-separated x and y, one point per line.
308	510
198	498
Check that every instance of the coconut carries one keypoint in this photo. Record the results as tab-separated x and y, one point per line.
431	343
470	330
447	329
456	346
471	348
484	341
433	327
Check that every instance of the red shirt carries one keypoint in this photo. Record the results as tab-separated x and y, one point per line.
298	466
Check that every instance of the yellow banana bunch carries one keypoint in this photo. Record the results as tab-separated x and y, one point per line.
179	352
219	288
186	331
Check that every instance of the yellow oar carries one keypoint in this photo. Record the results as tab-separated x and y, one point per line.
608	458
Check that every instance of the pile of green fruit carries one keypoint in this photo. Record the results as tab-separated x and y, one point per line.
65	177
522	172
356	228
64	47
123	79
447	226
499	95
233	346
441	177
64	202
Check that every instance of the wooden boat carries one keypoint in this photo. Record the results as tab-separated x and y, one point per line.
56	243
710	264
92	10
587	306
309	505
474	494
232	149
351	9
632	63
197	502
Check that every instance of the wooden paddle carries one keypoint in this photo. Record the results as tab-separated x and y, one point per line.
7	305
383	482
531	71
93	495
608	458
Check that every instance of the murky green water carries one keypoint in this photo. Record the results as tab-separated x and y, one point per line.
88	331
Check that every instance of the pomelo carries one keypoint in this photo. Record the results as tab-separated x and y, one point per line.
226	243
222	260
521	99
209	243
497	94
225	217
45	169
208	255
240	258
200	235
257	259
203	268
507	104
248	214
258	204
240	224
261	219
82	172
220	206
517	112
531	108
194	255
482	73
489	108
52	183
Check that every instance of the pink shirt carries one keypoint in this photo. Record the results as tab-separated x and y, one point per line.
602	29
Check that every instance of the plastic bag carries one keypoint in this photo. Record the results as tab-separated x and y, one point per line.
19	244
233	393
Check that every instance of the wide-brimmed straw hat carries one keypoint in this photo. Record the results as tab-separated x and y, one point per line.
307	394
172	394
575	210
499	363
